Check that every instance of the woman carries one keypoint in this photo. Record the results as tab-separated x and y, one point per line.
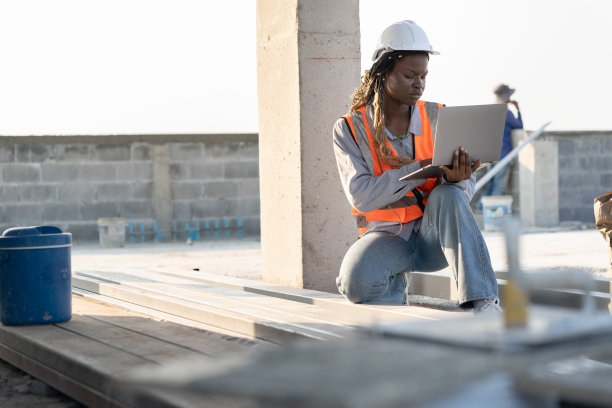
421	225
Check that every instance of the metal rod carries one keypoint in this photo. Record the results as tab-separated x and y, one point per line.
506	160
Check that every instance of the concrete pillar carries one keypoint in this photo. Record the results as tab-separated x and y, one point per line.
539	184
308	64
162	194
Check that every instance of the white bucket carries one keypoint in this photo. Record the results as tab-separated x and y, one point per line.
111	232
496	210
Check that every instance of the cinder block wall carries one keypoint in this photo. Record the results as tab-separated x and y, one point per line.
71	181
585	172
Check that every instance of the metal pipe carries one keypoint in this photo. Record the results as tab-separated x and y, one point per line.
506	160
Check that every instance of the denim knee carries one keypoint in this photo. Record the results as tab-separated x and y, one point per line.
352	285
445	190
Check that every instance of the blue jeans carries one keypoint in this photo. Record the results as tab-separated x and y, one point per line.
373	267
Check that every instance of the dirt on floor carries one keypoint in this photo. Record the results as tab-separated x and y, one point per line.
20	390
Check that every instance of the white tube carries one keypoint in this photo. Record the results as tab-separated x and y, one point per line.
504	162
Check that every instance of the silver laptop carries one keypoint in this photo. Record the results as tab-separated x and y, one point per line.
478	128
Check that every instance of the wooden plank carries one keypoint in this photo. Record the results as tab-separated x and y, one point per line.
202	341
83	360
357	373
254	304
579	380
152	313
67	385
129	341
87	357
227	303
270	331
341	307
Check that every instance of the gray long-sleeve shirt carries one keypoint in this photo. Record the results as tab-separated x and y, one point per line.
366	192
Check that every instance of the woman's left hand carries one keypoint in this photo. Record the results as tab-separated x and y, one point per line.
462	170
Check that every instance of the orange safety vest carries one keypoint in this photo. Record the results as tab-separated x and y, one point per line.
411	206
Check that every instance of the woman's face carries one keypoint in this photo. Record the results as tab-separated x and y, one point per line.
406	82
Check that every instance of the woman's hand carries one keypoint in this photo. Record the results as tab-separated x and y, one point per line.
515	103
462	170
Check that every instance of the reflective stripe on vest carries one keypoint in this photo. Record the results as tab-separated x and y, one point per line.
407	208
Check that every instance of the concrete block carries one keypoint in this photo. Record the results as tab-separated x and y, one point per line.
78	152
77	192
9	193
209	208
23	214
242	169
59	172
248	187
82	231
178	171
186	190
20	173
606	181
114	192
60	212
220	189
7	154
215	150
97	172
566	147
180	152
588	145
132	170
112	152
23	153
38	193
232	150
143	190
440	285
141	151
93	211
585	214
181	210
249	150
243	206
209	170
136	209
566	214
251	226
34	153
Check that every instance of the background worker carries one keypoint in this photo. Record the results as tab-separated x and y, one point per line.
498	185
407	225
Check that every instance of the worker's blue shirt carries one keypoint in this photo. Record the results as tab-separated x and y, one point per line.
512	122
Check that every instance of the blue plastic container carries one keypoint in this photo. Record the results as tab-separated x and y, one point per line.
35	284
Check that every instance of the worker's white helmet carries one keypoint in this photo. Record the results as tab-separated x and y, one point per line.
403	35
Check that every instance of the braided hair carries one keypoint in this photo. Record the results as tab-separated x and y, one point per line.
371	91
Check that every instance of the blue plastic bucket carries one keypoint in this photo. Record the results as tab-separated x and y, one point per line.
35	284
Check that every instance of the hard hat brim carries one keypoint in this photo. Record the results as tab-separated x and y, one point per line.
380	52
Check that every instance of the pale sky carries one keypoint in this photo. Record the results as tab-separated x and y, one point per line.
188	66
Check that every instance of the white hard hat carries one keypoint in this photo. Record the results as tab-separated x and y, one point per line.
403	35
